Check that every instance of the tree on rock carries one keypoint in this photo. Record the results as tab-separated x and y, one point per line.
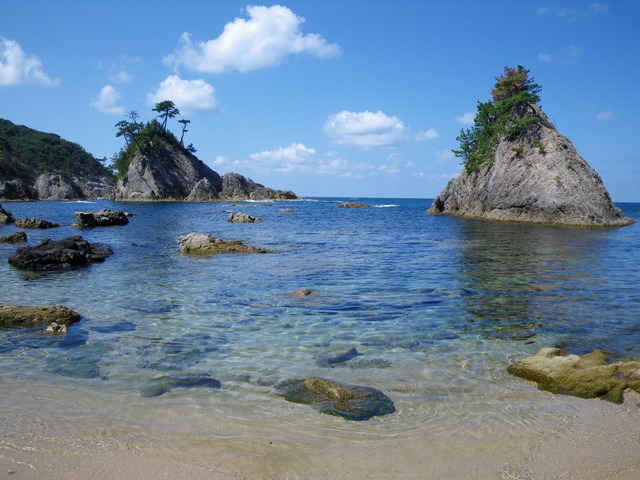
167	109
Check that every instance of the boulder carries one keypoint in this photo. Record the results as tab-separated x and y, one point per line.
5	216
352	402
536	177
586	376
50	186
235	186
15	237
103	218
203	243
242	218
35	223
353	205
21	316
62	254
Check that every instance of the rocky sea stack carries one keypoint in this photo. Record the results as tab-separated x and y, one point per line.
518	167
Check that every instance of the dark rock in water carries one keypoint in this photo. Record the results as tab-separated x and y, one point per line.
352	402
21	316
353	205
587	376
301	293
535	177
373	363
5	216
235	186
242	218
163	384
331	357
103	218
35	223
62	254
204	243
15	237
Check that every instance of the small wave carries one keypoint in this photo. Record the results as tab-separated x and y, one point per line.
83	201
385	206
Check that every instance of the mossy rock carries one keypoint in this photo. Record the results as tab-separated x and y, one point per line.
586	376
21	316
203	243
352	402
353	205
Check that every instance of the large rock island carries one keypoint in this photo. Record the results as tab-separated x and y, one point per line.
518	167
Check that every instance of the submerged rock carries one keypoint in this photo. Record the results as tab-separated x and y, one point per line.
331	357
62	254
103	218
352	402
35	223
21	316
15	237
5	216
242	218
587	376
208	244
353	205
162	384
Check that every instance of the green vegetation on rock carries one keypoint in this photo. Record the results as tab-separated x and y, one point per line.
495	119
147	138
26	153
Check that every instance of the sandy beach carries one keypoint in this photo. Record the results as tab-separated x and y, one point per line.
600	441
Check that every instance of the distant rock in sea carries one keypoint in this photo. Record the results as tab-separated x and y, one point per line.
203	243
35	223
62	254
531	174
167	172
103	218
353	205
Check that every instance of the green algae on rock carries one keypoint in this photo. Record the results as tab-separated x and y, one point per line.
586	376
203	243
21	316
352	402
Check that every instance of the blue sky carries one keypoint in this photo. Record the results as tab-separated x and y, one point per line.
326	98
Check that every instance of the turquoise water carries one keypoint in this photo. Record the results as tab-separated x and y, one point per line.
437	308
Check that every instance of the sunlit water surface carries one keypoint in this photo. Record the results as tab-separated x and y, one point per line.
437	308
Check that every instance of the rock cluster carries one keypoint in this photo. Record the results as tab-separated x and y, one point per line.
203	243
35	223
353	205
537	177
162	384
62	254
242	218
587	376
103	218
352	402
169	173
21	316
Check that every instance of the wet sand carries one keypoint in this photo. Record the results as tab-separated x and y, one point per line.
601	441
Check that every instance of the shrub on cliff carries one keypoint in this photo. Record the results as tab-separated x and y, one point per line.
494	119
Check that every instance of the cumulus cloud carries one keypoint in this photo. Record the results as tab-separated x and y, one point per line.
190	96
605	116
365	129
294	158
466	118
264	39
107	101
430	134
16	67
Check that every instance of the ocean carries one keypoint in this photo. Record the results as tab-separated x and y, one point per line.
437	308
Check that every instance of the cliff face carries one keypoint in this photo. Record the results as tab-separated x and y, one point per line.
536	178
168	173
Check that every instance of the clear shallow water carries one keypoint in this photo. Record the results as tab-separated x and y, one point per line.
437	307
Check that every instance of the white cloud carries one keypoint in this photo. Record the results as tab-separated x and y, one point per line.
190	96
295	157
605	116
17	68
265	39
365	129
444	155
544	57
429	134
466	118
598	8
573	51
107	101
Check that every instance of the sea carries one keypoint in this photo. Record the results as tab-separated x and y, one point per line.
437	308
